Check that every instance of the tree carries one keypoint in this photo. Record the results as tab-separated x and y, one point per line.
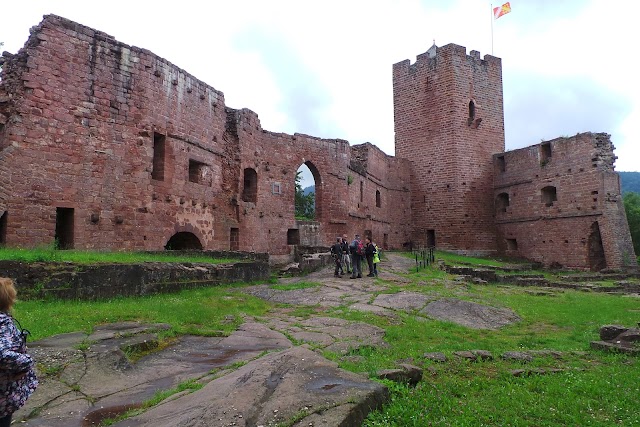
305	203
632	208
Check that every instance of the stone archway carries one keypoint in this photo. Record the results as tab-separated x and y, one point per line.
183	240
318	188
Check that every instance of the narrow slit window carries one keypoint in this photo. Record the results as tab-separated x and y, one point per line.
159	150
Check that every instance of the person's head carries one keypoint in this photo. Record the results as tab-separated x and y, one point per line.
338	240
357	237
367	240
7	294
344	237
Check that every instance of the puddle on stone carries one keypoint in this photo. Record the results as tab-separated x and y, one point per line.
94	418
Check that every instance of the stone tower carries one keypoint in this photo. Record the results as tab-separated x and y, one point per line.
449	121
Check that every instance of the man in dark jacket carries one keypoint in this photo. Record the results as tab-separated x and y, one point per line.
356	248
336	253
369	252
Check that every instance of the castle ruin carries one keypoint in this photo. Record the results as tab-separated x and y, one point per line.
108	146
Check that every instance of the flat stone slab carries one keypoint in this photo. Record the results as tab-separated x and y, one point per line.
271	390
99	381
330	333
405	301
470	314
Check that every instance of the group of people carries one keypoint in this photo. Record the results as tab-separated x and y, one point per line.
349	256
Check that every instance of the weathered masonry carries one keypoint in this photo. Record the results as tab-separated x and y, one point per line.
108	146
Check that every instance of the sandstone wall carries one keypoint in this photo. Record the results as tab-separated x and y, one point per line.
108	146
559	202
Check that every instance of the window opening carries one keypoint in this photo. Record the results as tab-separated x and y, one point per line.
250	185
512	245
361	191
378	199
545	153
197	171
502	201
549	195
501	164
293	236
159	150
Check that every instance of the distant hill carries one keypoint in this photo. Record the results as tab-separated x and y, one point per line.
310	189
630	182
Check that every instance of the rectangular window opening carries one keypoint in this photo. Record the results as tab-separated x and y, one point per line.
501	164
361	191
157	171
197	171
512	244
545	153
234	239
293	236
64	228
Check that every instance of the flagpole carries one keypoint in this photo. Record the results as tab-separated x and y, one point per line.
491	11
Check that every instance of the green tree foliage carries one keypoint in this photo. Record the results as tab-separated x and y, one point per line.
632	208
305	203
630	182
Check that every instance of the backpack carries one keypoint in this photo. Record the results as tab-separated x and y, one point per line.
376	254
360	248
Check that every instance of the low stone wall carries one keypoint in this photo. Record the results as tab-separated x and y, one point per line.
100	281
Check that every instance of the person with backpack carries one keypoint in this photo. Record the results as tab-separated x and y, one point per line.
376	259
357	251
336	253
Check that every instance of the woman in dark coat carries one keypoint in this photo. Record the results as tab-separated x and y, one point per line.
17	376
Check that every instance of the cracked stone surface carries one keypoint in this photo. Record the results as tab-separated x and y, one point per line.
90	378
470	314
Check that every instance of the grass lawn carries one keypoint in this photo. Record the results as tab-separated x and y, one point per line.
95	257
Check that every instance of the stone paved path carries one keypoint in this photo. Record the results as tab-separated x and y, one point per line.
278	381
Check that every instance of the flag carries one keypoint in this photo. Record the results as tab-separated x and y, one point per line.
502	10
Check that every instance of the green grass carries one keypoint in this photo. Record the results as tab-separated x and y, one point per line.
210	311
92	257
451	258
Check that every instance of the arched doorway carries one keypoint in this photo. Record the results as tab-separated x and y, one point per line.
183	241
308	196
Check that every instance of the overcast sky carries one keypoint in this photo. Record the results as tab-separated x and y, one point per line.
324	67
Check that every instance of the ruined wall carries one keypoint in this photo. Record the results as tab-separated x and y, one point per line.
559	202
449	121
108	146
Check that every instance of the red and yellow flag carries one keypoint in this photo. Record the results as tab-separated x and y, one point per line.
501	10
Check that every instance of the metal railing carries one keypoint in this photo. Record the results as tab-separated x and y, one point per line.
424	256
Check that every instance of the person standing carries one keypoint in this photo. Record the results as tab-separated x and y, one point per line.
336	253
357	253
346	256
369	251
17	375
376	259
